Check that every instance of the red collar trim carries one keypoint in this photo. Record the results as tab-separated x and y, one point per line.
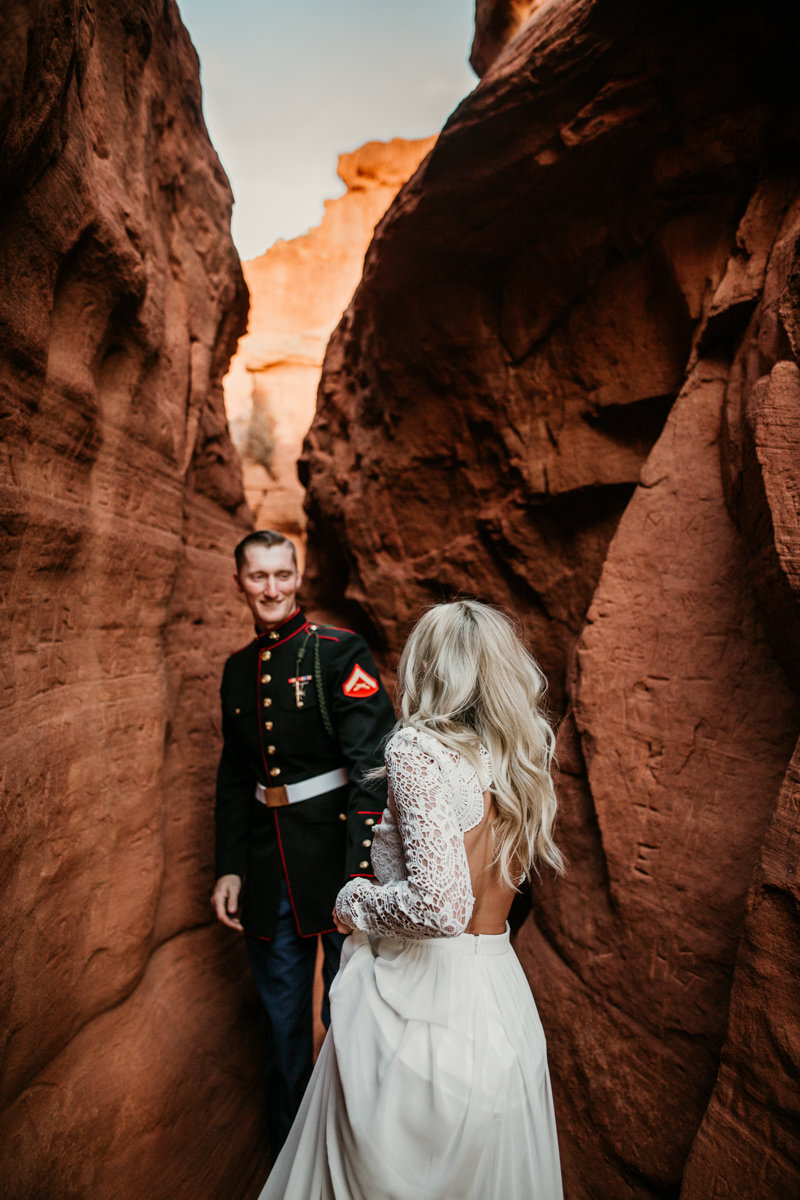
288	629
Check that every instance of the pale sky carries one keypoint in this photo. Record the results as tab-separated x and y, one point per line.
288	85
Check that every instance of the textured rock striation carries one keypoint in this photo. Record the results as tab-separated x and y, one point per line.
568	384
749	1141
299	290
127	1025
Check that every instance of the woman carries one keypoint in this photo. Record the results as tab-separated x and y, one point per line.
433	1082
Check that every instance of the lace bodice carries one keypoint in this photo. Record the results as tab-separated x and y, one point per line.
423	884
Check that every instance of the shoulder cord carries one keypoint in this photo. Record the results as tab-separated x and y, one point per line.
323	704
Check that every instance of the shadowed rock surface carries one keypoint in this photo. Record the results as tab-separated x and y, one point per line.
130	1063
568	384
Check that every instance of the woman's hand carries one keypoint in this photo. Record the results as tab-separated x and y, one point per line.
340	925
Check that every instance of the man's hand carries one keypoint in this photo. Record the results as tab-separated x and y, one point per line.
226	900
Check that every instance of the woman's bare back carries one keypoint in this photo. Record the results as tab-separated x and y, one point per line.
493	896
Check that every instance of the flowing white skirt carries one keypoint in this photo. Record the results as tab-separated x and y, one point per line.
432	1083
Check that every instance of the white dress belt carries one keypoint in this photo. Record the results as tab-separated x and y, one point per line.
306	789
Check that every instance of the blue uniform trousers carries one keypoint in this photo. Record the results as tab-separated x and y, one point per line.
283	968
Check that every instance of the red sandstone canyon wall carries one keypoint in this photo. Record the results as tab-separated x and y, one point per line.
130	1064
298	292
568	384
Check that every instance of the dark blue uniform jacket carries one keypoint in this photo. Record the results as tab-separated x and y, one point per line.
274	733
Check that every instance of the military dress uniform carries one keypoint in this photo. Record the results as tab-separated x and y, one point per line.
304	715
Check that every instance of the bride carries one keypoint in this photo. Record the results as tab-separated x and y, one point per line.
433	1080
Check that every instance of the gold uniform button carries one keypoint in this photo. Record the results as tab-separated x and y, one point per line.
266	679
267	702
270	749
274	770
313	628
237	711
370	821
364	864
265	654
274	636
366	842
342	816
268	724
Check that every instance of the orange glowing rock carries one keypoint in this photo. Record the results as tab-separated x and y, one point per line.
299	290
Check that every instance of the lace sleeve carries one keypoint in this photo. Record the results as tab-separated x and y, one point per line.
435	900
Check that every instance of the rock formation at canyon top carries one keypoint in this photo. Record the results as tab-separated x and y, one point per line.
496	23
299	290
568	383
129	1045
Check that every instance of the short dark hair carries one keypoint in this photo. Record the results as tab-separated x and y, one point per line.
266	538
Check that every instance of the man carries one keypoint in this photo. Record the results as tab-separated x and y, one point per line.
304	715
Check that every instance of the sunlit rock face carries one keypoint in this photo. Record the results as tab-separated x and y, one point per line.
129	1057
299	290
496	23
568	384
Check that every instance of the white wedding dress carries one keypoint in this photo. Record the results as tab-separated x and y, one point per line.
432	1083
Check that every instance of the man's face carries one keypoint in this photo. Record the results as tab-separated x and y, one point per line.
269	580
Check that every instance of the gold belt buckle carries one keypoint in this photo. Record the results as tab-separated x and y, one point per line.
275	797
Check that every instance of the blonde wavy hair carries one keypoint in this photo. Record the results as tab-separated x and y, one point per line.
465	677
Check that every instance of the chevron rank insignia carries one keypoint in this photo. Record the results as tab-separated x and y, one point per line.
359	684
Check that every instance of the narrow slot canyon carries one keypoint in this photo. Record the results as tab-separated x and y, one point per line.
548	357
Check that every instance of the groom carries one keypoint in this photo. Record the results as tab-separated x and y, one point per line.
304	715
